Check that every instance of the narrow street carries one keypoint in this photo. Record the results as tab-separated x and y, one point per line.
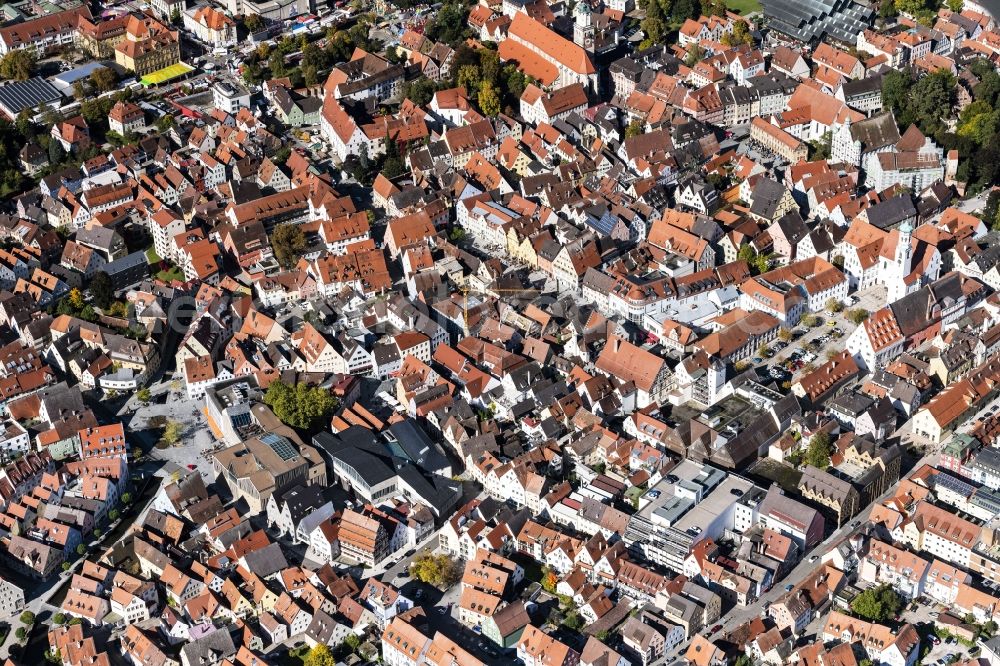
737	616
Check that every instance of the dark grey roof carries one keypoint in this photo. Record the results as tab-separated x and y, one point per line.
440	494
767	194
417	446
302	500
810	21
861	87
358	448
875	132
853	404
891	212
266	561
209	649
19	95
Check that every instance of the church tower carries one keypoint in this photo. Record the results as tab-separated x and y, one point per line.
901	265
583	26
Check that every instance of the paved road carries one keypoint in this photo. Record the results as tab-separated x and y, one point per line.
738	616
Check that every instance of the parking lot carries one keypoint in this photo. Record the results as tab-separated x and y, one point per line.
943	651
787	361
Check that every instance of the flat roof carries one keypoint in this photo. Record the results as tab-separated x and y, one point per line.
166	74
727	494
67	79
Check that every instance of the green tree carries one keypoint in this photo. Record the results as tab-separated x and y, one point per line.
449	24
469	78
931	99
895	90
820	148
27	617
694	55
288	243
785	335
819	450
834	305
164	122
634	128
352	642
319	655
281	156
300	406
310	75
393	167
59	618
19	64
758	263
102	289
489	65
857	315
420	91
744	660
276	63
991	211
56	153
739	35
104	79
21	632
988	88
656	25
685	9
438	570
126	499
172	432
254	23
489	99
25	126
81	550
877	604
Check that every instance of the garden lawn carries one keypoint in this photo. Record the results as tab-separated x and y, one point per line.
743	7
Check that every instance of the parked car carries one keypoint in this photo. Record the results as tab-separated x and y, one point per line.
788	588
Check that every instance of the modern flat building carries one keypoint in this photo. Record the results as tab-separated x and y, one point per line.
694	502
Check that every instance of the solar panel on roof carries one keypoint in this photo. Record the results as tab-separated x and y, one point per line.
19	95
